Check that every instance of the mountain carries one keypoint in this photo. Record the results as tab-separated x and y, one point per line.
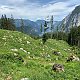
55	24
33	27
39	22
23	58
73	19
30	27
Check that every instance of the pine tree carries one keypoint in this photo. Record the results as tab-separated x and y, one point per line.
44	37
2	22
72	24
57	32
45	27
12	23
7	23
22	26
63	28
51	26
41	29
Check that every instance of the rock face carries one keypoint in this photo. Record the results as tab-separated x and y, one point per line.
58	67
73	19
72	58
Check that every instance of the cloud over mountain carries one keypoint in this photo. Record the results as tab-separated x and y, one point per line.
37	9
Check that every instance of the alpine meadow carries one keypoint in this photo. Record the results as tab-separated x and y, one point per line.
40	40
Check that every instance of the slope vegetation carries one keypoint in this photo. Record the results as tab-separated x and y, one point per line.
23	57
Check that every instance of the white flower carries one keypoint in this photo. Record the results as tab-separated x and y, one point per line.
14	49
28	52
25	51
65	49
20	40
41	42
29	57
21	49
15	54
43	49
25	37
59	52
48	55
22	44
11	36
4	38
69	50
25	79
28	42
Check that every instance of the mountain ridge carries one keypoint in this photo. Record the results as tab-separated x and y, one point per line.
73	19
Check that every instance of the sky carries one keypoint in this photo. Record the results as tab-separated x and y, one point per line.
37	9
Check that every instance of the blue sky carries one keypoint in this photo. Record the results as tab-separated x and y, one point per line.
37	9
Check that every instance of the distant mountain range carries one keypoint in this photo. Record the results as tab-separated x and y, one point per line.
73	19
33	28
30	27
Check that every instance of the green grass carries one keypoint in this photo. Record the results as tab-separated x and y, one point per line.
23	57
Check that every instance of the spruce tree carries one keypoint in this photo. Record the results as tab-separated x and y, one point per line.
62	30
51	26
2	22
57	32
41	28
44	37
7	23
22	26
72	24
12	23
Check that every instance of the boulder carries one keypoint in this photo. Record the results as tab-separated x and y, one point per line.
56	53
58	67
72	58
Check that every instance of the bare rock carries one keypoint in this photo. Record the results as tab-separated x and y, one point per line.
56	53
72	58
58	67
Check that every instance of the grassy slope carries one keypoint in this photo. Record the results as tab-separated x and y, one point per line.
16	47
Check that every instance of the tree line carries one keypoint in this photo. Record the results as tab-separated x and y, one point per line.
9	23
72	36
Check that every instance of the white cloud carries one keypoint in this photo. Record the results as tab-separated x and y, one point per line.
34	11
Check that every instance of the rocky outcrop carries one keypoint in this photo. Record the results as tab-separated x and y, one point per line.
72	58
72	20
58	67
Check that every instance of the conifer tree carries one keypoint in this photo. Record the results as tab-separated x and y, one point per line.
63	28
44	37
12	22
51	26
7	23
2	22
41	28
57	32
45	27
22	26
72	24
